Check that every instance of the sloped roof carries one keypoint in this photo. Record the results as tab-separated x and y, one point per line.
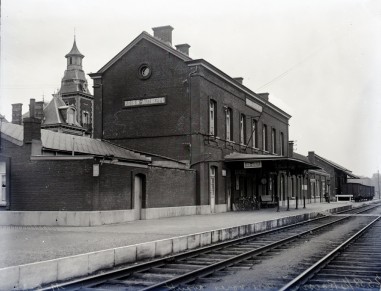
66	142
13	133
74	80
337	166
2	118
51	112
150	38
300	157
74	51
190	62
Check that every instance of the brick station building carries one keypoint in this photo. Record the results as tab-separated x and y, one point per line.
153	97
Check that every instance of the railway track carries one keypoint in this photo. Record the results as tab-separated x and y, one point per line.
172	272
354	265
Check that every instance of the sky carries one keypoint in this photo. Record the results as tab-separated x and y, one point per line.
320	60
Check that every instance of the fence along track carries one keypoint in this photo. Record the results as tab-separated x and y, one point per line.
179	269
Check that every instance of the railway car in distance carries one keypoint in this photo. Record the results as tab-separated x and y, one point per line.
359	191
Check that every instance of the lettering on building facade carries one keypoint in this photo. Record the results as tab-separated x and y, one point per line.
145	102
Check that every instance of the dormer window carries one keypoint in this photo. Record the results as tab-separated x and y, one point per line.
85	118
70	116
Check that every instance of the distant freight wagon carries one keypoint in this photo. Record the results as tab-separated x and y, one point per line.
359	191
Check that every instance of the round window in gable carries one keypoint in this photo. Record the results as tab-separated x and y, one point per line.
145	71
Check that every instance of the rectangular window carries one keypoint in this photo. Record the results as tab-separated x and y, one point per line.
242	131
273	141
281	144
254	134
229	125
212	118
264	137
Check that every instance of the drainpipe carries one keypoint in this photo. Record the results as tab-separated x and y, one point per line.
190	114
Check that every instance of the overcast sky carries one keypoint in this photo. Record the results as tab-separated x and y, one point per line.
320	60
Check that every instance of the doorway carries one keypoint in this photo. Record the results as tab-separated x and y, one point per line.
3	181
212	188
139	195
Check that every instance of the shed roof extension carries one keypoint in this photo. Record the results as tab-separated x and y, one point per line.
57	141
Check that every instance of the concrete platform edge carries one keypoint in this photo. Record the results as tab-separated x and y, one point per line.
18	277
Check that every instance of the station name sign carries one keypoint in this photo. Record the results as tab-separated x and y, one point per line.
145	102
253	105
251	165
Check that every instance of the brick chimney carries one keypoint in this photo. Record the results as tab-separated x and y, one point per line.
290	148
264	96
39	110
164	33
17	113
311	157
32	125
32	107
184	48
239	80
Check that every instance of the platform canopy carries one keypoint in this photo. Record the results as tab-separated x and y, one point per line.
291	164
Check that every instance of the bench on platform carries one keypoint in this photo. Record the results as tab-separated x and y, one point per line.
267	200
347	197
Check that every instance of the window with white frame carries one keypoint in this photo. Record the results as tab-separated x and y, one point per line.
264	137
273	141
70	116
85	118
212	118
229	124
254	133
281	144
242	129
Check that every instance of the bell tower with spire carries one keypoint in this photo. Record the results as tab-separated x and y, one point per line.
74	89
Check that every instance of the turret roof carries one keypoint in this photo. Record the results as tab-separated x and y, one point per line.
74	51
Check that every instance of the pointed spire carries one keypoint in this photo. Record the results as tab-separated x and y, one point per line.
74	51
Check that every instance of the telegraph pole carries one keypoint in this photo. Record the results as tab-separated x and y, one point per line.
378	179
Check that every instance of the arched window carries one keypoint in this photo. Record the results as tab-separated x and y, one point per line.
242	131
264	137
212	118
254	133
85	118
229	124
273	141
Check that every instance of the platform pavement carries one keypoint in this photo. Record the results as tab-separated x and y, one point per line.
28	244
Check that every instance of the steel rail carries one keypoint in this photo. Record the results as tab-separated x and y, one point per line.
311	271
207	270
123	272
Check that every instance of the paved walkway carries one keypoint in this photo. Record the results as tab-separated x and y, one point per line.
28	244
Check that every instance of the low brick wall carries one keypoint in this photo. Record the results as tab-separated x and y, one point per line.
65	218
33	275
